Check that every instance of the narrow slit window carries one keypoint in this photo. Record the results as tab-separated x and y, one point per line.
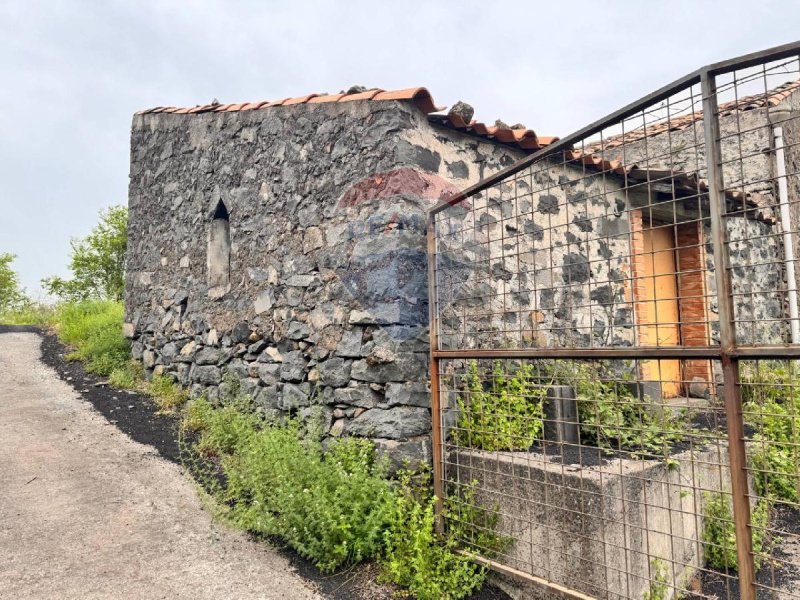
219	247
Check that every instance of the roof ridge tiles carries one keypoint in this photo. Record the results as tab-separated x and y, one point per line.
525	139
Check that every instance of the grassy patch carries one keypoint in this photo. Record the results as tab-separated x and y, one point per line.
94	329
28	314
168	395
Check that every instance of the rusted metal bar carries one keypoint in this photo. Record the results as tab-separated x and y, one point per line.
586	353
553	590
436	414
757	352
727	325
754	58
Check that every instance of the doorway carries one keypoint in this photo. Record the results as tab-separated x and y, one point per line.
658	306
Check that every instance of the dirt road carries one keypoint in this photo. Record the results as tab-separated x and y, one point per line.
85	512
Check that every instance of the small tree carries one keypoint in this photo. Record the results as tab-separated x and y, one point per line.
97	261
11	295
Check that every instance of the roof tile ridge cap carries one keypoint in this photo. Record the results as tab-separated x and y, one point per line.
365	95
299	100
419	95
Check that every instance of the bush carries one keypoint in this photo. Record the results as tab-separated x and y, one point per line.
506	414
417	558
719	535
94	329
771	395
331	507
613	417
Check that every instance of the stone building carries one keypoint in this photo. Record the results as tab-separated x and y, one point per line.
284	243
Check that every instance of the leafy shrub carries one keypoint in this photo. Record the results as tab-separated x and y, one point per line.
416	557
611	416
331	507
506	414
719	535
94	329
771	395
334	506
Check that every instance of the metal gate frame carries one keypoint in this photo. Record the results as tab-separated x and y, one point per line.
728	352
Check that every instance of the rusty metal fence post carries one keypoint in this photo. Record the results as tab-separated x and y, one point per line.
730	364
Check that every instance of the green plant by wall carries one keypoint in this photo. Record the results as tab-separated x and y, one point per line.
658	581
416	557
94	329
613	417
471	524
719	535
334	506
771	394
331	507
503	414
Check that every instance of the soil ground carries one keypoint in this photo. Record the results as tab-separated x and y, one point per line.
153	437
89	513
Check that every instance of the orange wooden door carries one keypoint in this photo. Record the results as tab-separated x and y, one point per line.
659	321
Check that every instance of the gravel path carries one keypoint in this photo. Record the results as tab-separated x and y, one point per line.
85	512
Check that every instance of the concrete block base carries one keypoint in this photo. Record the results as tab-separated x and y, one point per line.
601	530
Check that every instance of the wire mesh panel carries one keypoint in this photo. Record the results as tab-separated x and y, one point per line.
614	328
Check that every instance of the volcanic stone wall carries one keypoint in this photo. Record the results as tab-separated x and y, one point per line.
323	309
540	260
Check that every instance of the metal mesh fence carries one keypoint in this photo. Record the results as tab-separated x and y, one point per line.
614	335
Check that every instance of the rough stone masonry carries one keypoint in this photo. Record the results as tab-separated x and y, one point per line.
286	247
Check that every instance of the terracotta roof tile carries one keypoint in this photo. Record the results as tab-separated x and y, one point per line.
771	98
252	105
368	95
525	139
326	98
299	99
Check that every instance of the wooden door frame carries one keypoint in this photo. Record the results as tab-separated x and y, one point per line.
691	276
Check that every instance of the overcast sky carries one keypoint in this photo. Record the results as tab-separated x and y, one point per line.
72	73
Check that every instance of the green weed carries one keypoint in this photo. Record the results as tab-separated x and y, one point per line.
416	557
504	414
771	394
330	506
94	329
719	536
658	581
